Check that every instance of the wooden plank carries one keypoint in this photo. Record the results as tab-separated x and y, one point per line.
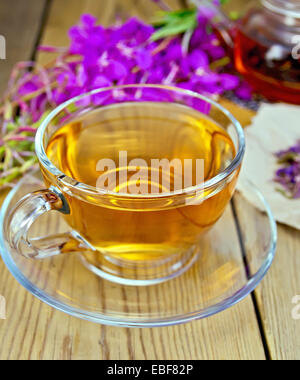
35	331
20	22
275	294
243	115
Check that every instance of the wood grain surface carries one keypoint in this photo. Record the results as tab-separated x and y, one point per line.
21	22
250	330
35	331
275	294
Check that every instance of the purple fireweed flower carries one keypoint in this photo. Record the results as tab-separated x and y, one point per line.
99	57
198	60
174	51
288	175
206	12
212	46
229	82
144	59
125	54
244	91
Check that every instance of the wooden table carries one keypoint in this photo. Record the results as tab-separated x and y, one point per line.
261	327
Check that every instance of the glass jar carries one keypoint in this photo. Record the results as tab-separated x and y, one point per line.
267	49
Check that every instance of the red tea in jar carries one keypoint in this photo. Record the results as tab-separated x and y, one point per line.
266	51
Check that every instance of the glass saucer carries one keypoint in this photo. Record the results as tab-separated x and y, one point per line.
235	256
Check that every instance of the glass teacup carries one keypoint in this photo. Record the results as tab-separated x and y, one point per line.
140	173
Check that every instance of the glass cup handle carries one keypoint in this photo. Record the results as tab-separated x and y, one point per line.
26	212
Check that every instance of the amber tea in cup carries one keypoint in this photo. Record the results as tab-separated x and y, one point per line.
93	157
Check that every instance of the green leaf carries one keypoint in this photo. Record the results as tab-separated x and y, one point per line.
176	23
11	127
8	157
14	173
28	164
234	15
220	63
2	152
